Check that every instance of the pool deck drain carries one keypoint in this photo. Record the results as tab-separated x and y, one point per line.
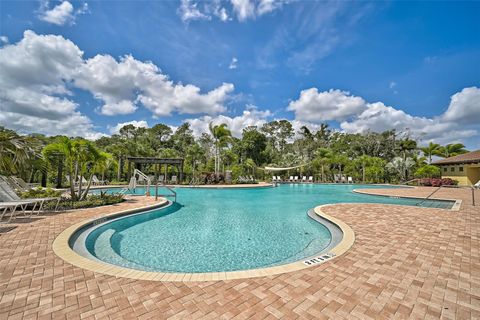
407	262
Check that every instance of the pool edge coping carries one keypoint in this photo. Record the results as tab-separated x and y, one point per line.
62	249
455	207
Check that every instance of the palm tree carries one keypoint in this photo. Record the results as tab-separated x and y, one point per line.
433	149
323	157
451	150
15	151
221	135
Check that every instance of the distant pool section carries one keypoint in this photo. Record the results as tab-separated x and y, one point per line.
221	230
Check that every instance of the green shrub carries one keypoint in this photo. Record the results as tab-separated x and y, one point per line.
40	193
428	171
93	200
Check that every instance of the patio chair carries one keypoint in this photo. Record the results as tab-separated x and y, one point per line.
290	179
310	179
295	179
174	179
304	179
8	195
96	181
350	180
82	180
161	178
21	184
252	179
274	179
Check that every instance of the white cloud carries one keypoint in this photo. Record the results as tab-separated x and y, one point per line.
35	71
139	124
221	13
464	106
317	106
233	63
242	9
188	10
379	117
251	116
40	72
3	39
61	14
124	84
392	84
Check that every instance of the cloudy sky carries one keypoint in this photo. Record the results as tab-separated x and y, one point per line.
87	68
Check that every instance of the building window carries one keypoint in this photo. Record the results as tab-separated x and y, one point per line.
460	169
452	169
445	169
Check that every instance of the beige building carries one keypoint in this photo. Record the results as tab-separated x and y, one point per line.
464	168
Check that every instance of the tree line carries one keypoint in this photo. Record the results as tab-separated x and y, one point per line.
371	157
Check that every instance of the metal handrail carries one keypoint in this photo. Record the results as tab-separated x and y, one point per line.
144	176
174	193
458	187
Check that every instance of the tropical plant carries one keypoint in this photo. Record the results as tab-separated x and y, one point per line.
221	135
451	150
401	167
432	149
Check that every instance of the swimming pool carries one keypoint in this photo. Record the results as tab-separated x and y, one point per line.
217	230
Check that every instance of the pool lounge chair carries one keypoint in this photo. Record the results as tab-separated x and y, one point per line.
304	179
7	195
279	179
96	181
20	184
274	179
350	180
310	179
295	179
174	179
291	179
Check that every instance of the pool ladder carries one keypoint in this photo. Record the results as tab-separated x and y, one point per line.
172	194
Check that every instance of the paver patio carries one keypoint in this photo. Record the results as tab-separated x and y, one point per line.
407	262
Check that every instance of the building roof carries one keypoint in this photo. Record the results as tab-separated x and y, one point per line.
470	157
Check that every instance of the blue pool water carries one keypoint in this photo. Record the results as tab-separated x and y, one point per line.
213	230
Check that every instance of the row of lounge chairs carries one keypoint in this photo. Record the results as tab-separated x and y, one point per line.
248	179
304	179
95	181
293	179
11	203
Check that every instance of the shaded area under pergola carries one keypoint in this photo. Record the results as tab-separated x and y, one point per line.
140	163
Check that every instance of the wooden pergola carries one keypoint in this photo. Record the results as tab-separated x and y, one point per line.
140	162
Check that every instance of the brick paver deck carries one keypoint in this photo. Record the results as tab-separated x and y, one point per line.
407	262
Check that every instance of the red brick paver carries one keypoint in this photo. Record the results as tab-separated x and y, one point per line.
407	262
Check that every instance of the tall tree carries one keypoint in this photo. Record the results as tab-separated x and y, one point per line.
432	149
221	135
451	150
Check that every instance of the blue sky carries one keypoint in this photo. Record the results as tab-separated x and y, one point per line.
356	65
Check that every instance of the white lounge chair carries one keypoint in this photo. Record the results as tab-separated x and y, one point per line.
291	179
12	201
310	179
81	179
350	180
279	179
274	179
96	181
477	185
304	179
295	179
174	179
20	184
